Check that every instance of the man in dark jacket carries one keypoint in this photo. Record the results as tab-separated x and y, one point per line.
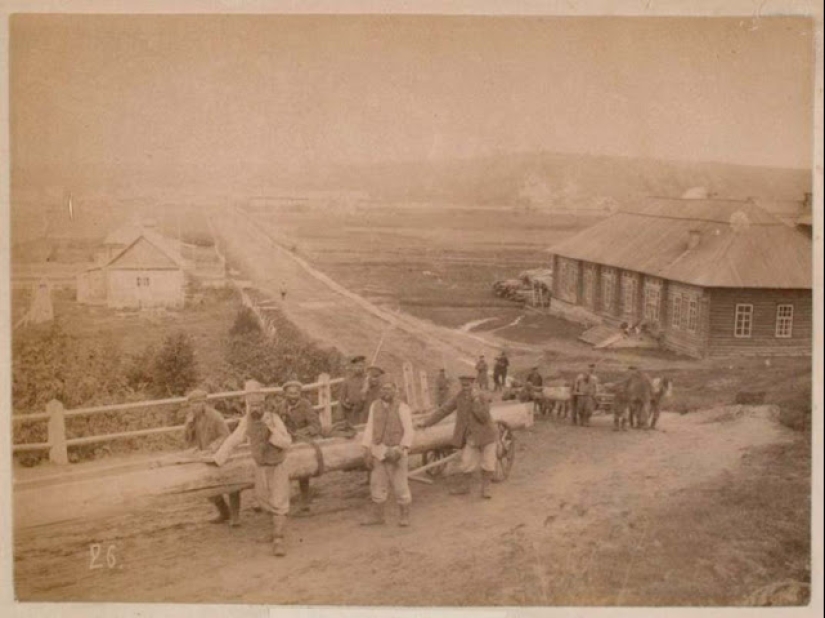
475	433
204	431
500	366
303	424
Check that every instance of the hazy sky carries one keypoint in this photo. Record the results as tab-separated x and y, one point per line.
238	92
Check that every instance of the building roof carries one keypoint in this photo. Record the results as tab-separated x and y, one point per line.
739	244
145	254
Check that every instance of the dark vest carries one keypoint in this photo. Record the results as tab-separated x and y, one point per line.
263	452
386	424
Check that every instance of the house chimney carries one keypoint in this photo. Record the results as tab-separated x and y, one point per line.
694	236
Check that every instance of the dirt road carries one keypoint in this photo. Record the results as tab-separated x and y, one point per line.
588	516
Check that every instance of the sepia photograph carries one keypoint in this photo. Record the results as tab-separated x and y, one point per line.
413	310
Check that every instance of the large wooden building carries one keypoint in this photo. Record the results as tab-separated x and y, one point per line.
710	277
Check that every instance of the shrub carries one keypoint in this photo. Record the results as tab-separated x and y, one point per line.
174	369
245	323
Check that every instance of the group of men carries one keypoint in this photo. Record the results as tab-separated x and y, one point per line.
369	399
501	365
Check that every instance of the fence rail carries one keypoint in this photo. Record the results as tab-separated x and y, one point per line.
56	416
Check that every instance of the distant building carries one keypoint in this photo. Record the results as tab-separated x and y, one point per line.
712	277
144	274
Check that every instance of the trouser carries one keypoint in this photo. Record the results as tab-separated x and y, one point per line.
620	414
586	407
498	379
574	409
272	488
473	457
482	381
385	474
654	412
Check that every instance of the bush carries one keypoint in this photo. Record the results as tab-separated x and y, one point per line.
245	323
174	370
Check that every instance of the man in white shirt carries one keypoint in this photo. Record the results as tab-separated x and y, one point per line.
387	439
269	441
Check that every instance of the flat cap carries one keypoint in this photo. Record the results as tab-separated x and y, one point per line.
376	370
291	383
197	395
357	359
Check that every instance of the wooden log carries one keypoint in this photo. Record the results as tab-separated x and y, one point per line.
76	495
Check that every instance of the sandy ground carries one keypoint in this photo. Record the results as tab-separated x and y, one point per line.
586	517
702	511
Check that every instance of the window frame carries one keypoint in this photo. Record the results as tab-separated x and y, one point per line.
743	309
634	287
782	320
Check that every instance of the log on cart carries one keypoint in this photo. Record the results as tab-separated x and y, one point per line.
78	494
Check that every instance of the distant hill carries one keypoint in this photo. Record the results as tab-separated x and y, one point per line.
559	180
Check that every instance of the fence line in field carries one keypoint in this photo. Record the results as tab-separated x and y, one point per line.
57	443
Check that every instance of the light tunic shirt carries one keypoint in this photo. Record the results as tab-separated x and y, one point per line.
279	436
379	451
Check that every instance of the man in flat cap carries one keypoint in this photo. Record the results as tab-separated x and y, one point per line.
204	431
387	439
475	433
303	424
352	391
269	441
585	389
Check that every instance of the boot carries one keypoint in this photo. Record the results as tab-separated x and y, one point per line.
462	486
278	524
404	519
377	516
486	478
235	509
223	510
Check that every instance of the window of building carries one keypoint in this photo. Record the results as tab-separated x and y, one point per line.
676	310
692	315
653	298
608	285
743	322
784	321
589	291
628	293
143	282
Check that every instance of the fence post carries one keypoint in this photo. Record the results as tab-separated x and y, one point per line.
426	401
58	452
325	400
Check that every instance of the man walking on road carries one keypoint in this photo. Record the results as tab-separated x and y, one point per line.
388	437
481	373
269	441
502	363
475	433
303	424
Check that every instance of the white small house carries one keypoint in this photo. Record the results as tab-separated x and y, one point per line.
145	274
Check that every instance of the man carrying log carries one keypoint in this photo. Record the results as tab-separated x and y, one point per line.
475	433
269	441
387	438
303	424
204	431
352	391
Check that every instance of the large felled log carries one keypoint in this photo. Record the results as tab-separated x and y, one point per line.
81	493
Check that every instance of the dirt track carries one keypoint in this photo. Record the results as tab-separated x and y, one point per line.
588	516
579	521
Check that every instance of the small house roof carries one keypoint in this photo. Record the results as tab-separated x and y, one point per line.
144	253
737	244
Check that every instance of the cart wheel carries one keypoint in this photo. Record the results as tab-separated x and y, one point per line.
505	452
433	456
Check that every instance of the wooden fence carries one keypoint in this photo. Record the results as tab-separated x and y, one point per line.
55	415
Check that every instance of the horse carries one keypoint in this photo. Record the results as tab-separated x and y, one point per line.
642	396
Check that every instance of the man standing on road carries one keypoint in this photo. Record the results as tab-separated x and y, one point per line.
502	363
352	391
303	424
587	389
204	431
481	373
388	437
442	388
475	433
534	378
269	441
